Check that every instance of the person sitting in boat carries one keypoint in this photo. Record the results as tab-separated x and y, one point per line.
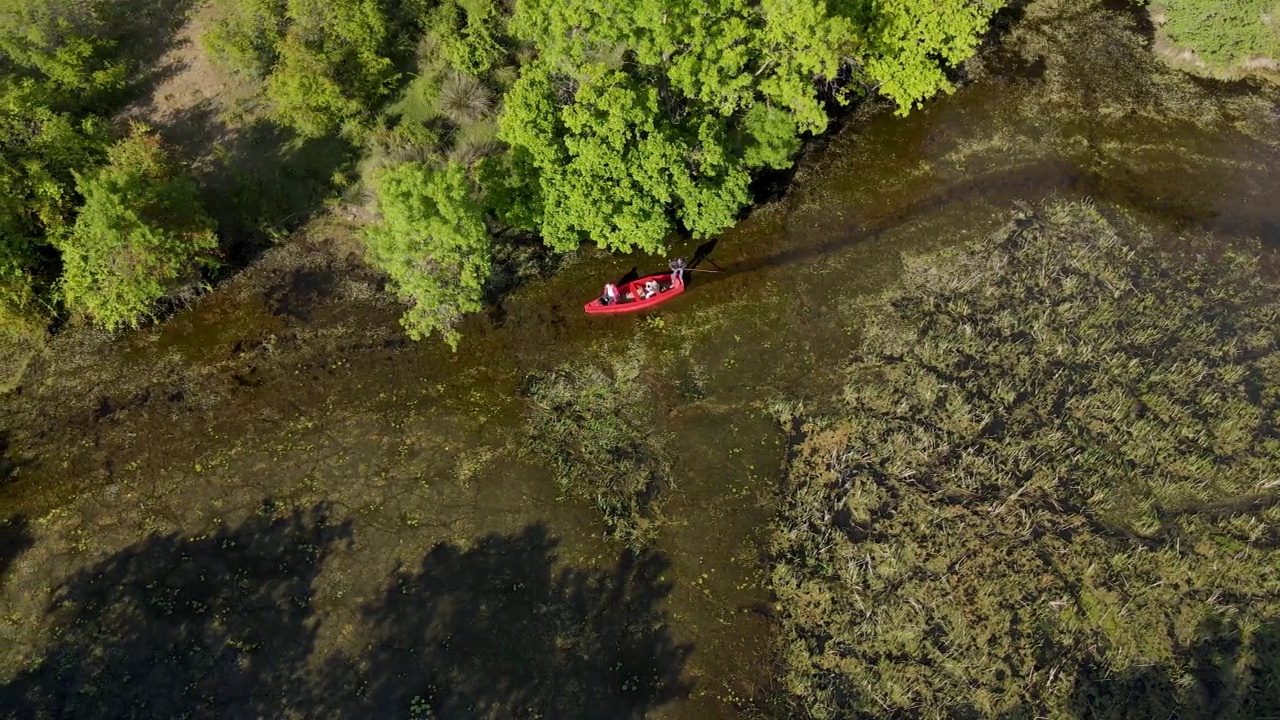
650	289
610	295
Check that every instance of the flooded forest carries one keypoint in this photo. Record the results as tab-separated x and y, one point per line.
969	408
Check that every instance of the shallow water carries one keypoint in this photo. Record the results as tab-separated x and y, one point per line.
291	388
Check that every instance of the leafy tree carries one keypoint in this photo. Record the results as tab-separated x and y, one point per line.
39	151
140	234
511	188
332	64
907	38
610	163
247	34
470	33
716	88
432	241
64	45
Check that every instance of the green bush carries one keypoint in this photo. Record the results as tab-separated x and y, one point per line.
1225	33
39	151
596	427
1048	491
470	34
464	99
333	65
65	46
432	241
21	310
246	34
140	235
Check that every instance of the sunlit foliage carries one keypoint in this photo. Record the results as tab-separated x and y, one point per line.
140	235
432	242
711	91
1224	32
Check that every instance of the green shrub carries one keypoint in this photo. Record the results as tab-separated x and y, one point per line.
405	141
246	34
464	99
596	427
432	241
21	310
65	46
39	151
1048	490
140	235
1224	33
469	34
333	65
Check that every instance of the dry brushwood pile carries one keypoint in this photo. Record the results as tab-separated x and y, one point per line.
1050	489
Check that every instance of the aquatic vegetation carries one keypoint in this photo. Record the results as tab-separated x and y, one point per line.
595	425
1050	486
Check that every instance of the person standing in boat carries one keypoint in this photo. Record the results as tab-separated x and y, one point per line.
677	271
610	295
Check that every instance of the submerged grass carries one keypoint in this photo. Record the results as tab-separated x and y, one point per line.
1050	489
596	425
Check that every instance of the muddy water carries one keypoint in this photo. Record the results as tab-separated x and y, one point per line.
289	394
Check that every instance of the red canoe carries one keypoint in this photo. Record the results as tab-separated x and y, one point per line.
631	295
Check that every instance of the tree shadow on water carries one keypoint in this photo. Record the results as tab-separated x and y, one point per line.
216	626
222	626
497	630
1220	675
15	539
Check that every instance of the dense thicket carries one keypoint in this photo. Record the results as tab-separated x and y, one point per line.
1049	491
1224	33
585	121
581	121
64	66
140	235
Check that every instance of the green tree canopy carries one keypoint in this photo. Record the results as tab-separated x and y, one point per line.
709	91
611	163
64	45
140	235
246	34
333	64
432	241
39	151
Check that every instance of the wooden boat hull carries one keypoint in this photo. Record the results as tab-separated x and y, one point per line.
669	287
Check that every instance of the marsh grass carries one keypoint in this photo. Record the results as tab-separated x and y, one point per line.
1055	463
596	425
464	99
